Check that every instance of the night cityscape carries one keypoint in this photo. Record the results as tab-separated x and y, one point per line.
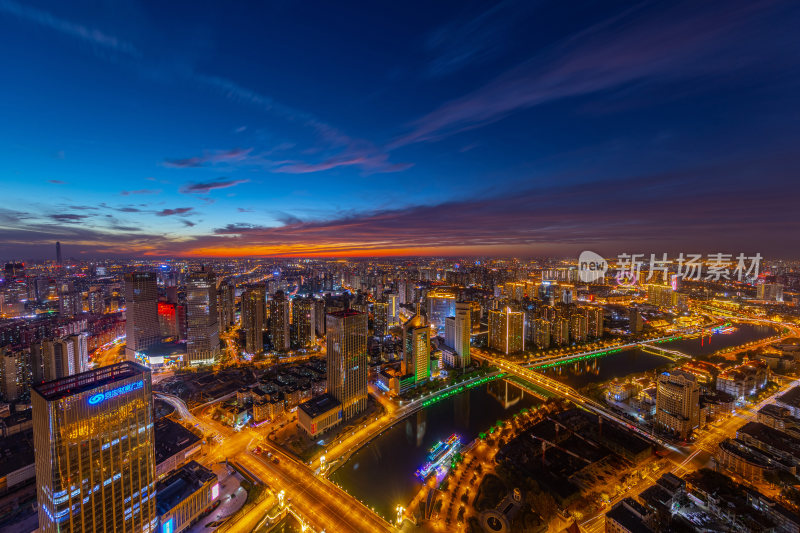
479	267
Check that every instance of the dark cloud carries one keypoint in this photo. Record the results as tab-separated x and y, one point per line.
57	182
68	217
208	186
176	211
188	223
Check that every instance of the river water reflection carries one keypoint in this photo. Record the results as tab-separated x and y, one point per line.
382	473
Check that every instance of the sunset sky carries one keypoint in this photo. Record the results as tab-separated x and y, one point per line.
445	128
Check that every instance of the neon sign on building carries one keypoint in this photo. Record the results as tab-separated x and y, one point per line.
113	393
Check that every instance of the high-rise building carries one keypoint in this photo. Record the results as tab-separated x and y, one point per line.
441	304
677	403
380	312
95	459
141	314
58	253
15	374
458	332
578	328
347	360
506	330
541	333
559	331
319	317
60	358
96	301
69	300
416	349
254	307
394	307
202	332
303	322
594	316
770	291
279	322
226	304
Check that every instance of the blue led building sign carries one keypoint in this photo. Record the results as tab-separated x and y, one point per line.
113	393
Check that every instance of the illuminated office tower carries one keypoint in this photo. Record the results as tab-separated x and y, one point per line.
636	321
380	312
226	304
304	319
514	290
770	291
394	307
677	403
141	314
458	332
347	360
15	374
506	330
96	301
95	459
202	332
254	307
279	322
441	304
58	253
416	349
541	333
60	358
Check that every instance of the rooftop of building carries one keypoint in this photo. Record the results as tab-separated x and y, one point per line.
791	397
345	313
181	484
774	410
91	379
170	438
627	518
16	452
319	405
772	437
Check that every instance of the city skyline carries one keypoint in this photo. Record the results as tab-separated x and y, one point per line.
477	130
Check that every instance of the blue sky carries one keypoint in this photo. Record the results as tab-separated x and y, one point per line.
291	128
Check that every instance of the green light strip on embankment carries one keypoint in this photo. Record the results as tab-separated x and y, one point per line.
598	354
460	389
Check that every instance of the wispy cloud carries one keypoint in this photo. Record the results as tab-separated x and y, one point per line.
140	191
210	158
663	44
208	186
57	182
92	36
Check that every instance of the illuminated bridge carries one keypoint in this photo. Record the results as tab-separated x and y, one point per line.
675	355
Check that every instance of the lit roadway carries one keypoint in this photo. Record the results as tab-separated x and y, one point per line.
323	505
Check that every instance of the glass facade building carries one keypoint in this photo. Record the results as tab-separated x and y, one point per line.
348	363
95	459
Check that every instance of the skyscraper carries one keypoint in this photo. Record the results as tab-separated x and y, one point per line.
279	322
60	358
141	301
69	300
677	403
303	320
202	333
226	304
15	374
348	363
380	313
95	459
458	331
506	330
254	302
58	252
416	349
